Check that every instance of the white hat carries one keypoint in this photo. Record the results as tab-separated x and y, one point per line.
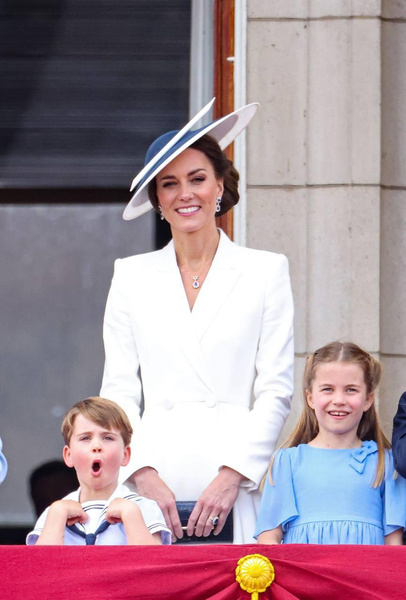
169	145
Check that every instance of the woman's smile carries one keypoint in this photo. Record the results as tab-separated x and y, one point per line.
187	190
188	210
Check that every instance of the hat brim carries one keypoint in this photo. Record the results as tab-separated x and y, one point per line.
224	130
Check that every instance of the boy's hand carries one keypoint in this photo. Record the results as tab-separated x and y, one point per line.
121	509
69	510
60	514
127	512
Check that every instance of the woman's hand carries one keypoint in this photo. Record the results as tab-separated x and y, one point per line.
216	501
150	485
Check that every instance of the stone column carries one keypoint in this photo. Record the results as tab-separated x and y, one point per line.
313	157
393	206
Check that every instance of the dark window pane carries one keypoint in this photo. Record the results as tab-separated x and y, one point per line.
86	86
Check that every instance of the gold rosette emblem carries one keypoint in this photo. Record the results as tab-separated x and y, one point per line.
254	573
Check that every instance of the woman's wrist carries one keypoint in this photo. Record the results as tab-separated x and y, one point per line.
235	477
140	474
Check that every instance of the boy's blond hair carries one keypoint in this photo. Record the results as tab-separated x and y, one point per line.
101	411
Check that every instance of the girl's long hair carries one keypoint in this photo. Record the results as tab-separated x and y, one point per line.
307	427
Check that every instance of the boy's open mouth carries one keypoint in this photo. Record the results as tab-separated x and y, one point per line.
96	466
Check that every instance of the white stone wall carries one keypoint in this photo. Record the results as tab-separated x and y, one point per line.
326	171
393	204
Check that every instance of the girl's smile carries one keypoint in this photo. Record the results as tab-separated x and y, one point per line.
338	414
339	399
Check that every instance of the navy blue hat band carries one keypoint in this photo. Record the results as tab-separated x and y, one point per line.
172	143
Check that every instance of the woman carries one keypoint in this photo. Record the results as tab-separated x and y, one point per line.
202	332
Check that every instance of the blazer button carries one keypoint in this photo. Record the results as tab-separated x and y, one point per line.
210	402
167	404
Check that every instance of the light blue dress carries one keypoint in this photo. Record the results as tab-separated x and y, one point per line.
325	496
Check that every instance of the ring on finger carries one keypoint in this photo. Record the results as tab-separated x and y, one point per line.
214	520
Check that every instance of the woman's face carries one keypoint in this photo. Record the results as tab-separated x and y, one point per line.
187	191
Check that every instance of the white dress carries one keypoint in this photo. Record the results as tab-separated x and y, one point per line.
215	382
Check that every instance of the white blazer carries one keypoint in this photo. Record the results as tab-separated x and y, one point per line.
216	382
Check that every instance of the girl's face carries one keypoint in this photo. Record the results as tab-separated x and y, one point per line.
339	399
187	190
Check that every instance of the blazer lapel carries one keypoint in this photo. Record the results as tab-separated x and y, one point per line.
180	320
218	285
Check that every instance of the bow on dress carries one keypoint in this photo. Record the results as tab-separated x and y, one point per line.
359	456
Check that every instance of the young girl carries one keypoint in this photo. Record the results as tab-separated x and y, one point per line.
333	480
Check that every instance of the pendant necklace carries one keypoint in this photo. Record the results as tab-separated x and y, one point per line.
195	278
196	284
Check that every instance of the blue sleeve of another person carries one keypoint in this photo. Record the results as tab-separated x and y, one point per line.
3	463
394	506
399	437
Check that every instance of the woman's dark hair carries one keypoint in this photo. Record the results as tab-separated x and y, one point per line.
223	169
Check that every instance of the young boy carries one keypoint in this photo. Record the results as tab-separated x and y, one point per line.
97	436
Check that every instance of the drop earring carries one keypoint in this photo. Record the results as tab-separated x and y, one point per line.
218	204
161	214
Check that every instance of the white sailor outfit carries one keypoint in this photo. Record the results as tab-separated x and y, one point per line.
114	535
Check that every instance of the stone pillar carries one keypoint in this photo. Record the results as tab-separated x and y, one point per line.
393	206
313	156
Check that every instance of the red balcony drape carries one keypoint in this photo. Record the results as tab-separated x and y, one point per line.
199	572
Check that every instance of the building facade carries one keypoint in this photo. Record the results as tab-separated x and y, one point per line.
326	171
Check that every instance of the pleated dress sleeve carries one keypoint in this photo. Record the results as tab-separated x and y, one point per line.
278	502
